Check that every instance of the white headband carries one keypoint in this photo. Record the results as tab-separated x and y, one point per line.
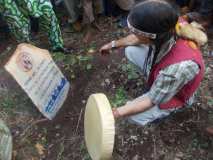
137	31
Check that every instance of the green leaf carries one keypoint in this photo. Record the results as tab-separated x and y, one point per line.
89	66
120	97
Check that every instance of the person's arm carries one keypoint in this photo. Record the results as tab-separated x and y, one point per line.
133	108
126	41
168	83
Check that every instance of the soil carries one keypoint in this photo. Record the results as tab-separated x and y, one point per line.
181	136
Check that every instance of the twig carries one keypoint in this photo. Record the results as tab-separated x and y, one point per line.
32	124
27	128
178	130
61	150
155	150
192	121
79	119
39	121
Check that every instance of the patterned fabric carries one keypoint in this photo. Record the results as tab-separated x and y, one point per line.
182	51
166	47
171	80
139	32
17	13
5	142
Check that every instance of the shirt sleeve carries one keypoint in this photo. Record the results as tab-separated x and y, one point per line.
171	79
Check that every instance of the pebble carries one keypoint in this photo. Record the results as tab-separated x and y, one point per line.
91	51
134	138
179	155
136	157
17	133
83	101
107	81
57	126
102	84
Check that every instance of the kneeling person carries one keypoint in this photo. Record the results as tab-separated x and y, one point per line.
172	66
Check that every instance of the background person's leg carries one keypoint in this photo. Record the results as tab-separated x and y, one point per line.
88	19
73	10
88	15
18	23
48	22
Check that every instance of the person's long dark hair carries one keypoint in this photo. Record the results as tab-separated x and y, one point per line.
155	16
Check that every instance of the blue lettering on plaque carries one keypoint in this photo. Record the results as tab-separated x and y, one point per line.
49	108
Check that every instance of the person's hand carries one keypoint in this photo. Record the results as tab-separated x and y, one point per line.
115	113
106	48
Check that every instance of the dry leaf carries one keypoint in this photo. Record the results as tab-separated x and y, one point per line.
40	149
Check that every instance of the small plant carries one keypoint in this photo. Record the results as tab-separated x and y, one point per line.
58	56
210	102
70	62
210	115
61	151
7	102
84	61
131	70
120	97
92	48
86	155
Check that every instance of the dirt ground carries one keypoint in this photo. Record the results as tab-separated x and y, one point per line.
178	137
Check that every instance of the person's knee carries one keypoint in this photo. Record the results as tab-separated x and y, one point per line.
129	51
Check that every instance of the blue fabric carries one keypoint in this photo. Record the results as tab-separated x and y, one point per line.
206	7
110	8
182	3
122	22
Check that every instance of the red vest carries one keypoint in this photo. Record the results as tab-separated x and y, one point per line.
181	51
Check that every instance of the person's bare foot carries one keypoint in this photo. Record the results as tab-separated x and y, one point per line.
209	130
90	31
88	36
77	26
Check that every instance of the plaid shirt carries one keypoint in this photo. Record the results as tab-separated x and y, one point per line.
171	79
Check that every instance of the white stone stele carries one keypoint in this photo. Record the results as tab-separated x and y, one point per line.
99	127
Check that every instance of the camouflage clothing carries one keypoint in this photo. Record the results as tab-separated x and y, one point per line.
17	12
5	142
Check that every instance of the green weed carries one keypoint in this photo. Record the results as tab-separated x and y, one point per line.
210	102
61	151
72	62
83	150
120	97
7	102
131	70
